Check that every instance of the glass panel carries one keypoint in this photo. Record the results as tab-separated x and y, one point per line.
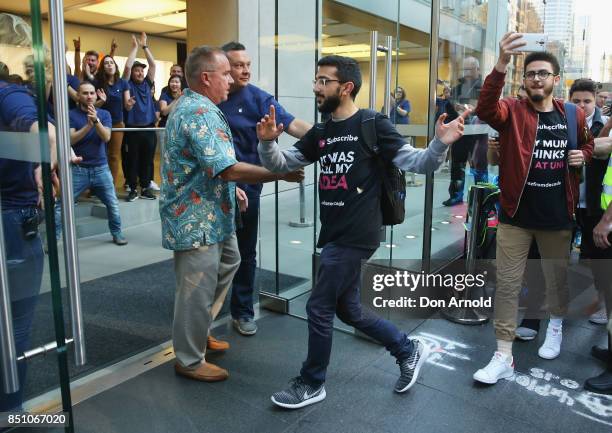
467	43
26	197
412	66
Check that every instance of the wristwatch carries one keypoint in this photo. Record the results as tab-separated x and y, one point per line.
96	121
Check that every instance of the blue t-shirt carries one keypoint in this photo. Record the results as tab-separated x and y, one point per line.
73	82
114	98
91	147
243	109
164	97
143	112
395	116
17	113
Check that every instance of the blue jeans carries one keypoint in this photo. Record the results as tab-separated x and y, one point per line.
242	290
337	292
24	260
100	180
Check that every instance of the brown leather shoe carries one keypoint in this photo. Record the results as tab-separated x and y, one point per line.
214	344
206	372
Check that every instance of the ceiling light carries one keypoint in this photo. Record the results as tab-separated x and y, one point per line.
410	237
444	222
390	245
178	19
134	9
295	242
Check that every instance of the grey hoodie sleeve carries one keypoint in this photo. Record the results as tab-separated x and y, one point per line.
422	161
280	161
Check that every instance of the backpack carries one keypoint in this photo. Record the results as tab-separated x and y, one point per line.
393	191
572	126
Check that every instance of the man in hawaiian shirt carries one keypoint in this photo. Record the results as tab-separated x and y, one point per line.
197	207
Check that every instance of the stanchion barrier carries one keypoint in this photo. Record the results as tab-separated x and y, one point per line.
468	315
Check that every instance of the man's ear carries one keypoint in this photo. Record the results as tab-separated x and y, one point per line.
557	80
204	78
348	88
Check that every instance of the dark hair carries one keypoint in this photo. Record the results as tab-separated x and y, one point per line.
583	85
89	83
91	53
170	79
233	46
347	70
544	56
102	79
403	92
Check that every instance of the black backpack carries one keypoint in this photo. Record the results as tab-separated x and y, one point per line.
393	197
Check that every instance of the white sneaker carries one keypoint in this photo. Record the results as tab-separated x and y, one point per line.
552	344
500	367
153	186
600	317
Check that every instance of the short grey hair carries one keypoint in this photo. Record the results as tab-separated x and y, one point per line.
202	58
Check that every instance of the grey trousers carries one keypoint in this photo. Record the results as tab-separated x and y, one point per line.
203	278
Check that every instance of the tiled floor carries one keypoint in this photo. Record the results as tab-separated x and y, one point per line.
544	396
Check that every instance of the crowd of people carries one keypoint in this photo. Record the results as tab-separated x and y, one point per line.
220	147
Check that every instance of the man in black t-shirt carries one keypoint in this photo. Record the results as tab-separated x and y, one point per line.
350	195
539	191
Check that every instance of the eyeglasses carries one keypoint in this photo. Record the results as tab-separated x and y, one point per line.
322	82
542	75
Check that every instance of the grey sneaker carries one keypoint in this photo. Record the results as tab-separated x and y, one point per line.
246	325
120	240
299	394
410	367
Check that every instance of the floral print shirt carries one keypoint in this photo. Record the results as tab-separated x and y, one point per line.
196	206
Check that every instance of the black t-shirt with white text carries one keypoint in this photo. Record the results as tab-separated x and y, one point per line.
543	204
350	179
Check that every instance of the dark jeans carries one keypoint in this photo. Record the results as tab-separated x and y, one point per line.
24	260
140	151
461	150
337	293
244	280
100	181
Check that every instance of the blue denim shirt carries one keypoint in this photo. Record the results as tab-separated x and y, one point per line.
196	206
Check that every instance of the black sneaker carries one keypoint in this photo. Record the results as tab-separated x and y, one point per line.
299	394
410	367
132	195
147	194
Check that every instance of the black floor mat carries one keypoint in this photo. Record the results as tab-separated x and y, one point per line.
124	314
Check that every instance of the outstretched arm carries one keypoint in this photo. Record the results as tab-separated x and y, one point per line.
149	54
127	70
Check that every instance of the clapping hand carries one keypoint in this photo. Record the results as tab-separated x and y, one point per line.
448	133
101	95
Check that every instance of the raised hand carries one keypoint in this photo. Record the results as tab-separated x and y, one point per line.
267	129
134	42
143	39
448	133
101	95
113	45
77	44
294	176
507	47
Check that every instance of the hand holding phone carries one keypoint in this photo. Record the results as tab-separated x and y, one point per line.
534	42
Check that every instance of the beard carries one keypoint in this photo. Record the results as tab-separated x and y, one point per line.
329	104
547	90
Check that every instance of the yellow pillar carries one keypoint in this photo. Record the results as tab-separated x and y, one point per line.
211	22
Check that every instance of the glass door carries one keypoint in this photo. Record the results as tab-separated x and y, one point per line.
34	342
